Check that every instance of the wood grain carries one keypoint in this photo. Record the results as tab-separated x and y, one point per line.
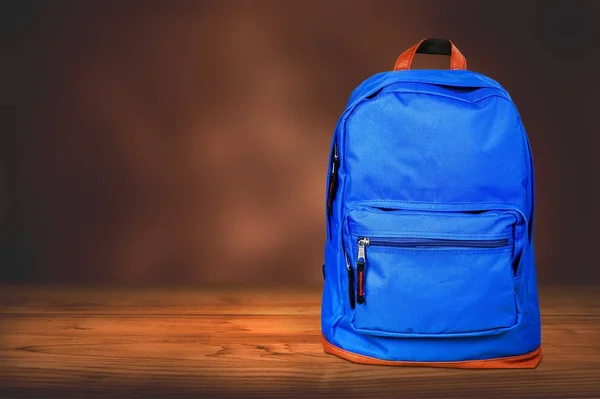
74	342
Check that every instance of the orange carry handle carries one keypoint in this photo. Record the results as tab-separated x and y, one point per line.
432	46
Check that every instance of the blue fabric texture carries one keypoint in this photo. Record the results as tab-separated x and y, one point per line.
431	214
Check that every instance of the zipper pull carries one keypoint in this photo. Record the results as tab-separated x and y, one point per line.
360	269
333	180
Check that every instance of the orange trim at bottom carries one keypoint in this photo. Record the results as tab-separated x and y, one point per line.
527	361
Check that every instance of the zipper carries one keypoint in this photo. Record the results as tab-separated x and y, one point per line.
335	162
350	271
413	242
432	242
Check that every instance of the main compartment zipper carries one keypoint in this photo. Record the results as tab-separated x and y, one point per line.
414	242
333	177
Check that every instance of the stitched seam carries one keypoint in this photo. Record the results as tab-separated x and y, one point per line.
425	233
409	91
434	203
391	249
443	215
477	333
526	356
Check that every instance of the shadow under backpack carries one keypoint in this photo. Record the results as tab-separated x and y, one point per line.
429	255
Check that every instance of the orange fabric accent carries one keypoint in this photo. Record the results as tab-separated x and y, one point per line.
527	361
404	61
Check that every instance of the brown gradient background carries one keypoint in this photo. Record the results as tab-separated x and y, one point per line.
186	142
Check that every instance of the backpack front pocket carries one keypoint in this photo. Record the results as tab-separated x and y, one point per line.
433	273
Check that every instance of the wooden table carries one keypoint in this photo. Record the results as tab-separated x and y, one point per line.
74	342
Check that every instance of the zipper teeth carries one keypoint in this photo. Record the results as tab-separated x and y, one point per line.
438	242
350	271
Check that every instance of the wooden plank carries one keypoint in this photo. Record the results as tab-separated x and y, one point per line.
220	343
69	300
583	300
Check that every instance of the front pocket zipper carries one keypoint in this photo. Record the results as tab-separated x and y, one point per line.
413	242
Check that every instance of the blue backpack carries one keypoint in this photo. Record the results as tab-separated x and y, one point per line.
429	252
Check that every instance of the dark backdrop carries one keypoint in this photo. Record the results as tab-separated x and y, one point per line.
186	141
